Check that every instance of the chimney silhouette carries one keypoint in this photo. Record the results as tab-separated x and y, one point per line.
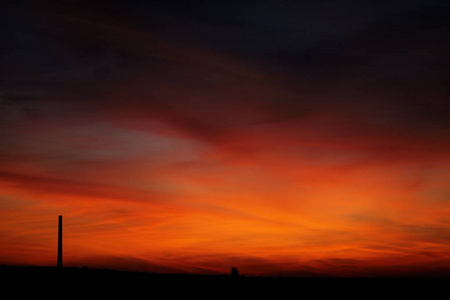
60	242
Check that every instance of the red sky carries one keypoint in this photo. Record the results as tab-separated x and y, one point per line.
166	151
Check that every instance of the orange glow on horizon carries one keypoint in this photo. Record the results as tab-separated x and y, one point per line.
266	214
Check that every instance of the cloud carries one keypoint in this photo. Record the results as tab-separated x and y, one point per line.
311	140
120	263
29	184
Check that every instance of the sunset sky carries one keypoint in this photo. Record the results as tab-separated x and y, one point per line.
293	138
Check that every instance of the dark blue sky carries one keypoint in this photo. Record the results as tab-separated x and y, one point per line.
397	48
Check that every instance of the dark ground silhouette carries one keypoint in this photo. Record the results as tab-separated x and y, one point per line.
84	282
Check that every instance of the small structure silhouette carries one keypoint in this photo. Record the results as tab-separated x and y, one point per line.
60	242
234	273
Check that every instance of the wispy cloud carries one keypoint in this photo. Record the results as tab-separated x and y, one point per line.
295	142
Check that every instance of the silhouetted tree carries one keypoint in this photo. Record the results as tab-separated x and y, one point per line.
234	273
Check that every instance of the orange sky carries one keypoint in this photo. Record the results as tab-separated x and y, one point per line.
197	160
266	200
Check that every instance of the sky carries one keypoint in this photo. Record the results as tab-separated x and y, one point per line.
284	138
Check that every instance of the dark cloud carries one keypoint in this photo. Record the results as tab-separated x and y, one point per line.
122	263
374	74
430	233
80	188
393	53
436	233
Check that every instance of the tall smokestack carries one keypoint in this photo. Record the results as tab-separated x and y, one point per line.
60	242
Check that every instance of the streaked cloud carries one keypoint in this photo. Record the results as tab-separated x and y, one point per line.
280	138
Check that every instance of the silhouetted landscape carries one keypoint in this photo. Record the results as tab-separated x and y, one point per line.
39	280
86	281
